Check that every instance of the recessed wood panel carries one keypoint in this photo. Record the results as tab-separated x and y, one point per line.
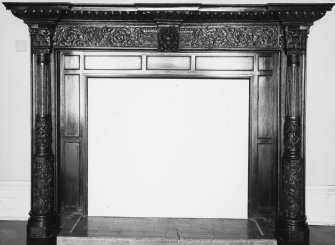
168	63
265	175
71	62
72	175
113	62
72	105
265	63
227	63
265	107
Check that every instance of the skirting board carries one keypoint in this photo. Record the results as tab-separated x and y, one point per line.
320	205
15	202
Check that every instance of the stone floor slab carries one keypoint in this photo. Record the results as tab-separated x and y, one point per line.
163	231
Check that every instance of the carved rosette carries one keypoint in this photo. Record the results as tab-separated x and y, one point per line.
168	39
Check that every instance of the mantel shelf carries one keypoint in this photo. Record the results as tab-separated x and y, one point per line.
283	13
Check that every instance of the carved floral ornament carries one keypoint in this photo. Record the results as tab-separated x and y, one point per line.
195	37
203	37
215	32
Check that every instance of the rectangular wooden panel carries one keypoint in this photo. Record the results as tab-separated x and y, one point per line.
265	63
168	63
265	175
71	175
72	105
265	107
71	62
113	62
225	63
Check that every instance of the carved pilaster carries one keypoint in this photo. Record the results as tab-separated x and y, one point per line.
291	223
44	218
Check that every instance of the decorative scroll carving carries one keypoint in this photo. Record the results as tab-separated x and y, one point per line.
293	189
42	167
43	184
206	37
168	39
230	36
105	36
295	38
293	170
292	137
43	134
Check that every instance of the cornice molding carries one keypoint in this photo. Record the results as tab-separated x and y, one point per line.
283	13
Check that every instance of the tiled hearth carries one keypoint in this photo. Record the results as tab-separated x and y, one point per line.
168	231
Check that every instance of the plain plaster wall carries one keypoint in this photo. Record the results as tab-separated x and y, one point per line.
15	98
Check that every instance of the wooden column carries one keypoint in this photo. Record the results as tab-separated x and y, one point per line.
291	225
44	218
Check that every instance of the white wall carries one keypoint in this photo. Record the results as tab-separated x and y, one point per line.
15	110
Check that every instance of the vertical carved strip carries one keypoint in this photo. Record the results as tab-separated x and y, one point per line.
43	222
291	223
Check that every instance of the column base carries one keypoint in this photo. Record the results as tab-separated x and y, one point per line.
42	226
293	232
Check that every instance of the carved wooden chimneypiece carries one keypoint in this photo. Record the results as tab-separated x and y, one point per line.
265	43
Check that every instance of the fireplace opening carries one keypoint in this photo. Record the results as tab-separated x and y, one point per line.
168	147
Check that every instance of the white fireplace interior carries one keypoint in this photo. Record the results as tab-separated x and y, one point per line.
168	147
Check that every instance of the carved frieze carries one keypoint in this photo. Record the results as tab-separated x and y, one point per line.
230	36
198	37
105	36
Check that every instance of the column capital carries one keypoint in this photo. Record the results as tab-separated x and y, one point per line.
41	36
295	39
